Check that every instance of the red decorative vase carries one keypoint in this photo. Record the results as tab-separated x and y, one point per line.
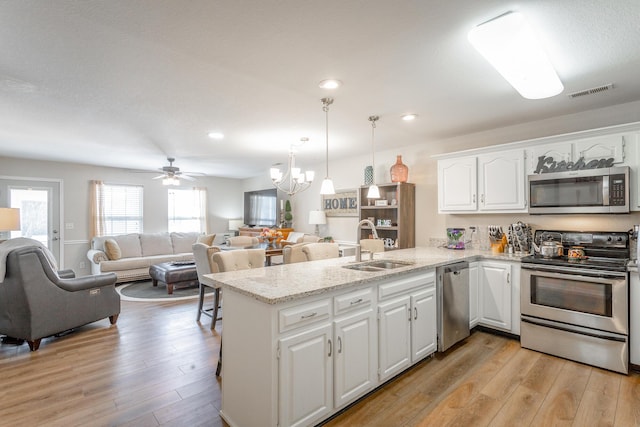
399	171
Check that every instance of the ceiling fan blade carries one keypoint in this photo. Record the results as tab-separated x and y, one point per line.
159	177
187	177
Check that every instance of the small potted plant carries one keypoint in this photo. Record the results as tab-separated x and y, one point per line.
287	213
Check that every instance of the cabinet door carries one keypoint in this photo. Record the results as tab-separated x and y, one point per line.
457	184
355	361
501	181
634	318
495	294
423	324
473	295
394	337
559	152
603	147
305	377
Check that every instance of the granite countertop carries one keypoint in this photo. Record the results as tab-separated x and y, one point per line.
286	282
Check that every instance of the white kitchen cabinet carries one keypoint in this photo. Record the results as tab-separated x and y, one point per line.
562	151
501	181
355	362
407	328
306	374
474	317
495	294
493	182
601	147
457	184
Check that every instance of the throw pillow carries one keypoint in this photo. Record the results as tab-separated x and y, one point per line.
112	249
207	239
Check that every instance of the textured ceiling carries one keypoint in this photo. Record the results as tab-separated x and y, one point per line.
126	83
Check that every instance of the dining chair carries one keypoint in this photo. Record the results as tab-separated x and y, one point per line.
244	241
317	251
202	254
239	259
293	253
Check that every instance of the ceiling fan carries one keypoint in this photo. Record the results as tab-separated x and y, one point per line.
171	175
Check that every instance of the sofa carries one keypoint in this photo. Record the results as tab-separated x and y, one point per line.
129	256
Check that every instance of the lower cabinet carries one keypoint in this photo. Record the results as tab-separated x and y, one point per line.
499	295
299	362
407	329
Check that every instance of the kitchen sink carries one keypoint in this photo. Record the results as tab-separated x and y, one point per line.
377	265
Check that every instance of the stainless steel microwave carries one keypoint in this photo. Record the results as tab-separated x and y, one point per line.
603	190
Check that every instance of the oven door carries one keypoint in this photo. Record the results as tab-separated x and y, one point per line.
579	297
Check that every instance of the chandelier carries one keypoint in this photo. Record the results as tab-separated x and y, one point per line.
293	180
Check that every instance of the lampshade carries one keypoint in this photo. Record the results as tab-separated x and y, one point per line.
317	217
9	219
235	224
511	47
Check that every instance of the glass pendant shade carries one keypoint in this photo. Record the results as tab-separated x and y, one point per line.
374	192
327	187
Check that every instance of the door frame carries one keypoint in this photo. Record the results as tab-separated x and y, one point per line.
61	227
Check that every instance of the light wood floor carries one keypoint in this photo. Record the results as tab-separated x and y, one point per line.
156	367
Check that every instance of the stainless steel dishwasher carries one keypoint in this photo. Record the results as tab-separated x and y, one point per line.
453	304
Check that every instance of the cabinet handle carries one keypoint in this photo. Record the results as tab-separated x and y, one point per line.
330	348
307	316
358	301
415	311
339	345
474	198
409	313
482	198
508	278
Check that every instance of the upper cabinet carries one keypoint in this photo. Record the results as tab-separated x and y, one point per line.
493	182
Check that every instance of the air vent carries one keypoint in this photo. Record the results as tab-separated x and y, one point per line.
591	91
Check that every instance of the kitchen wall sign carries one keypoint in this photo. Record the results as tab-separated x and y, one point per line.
343	203
546	164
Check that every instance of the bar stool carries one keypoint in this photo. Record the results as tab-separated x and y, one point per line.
204	265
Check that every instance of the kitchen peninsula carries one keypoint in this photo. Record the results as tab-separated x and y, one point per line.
302	341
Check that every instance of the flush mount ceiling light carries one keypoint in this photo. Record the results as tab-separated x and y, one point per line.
330	84
374	191
408	117
327	183
293	180
511	47
215	135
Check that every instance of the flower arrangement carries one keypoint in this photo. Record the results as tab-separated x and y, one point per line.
271	233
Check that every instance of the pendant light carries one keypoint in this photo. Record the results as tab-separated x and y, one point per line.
327	184
374	192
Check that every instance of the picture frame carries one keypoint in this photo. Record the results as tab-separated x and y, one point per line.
382	202
343	203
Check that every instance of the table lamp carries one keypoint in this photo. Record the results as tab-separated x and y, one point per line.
316	218
9	219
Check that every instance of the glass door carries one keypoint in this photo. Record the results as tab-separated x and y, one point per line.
39	204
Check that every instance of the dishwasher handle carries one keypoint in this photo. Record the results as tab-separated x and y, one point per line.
456	268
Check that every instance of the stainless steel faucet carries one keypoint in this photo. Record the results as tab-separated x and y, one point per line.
358	247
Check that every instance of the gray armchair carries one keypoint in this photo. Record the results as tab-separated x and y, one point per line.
36	302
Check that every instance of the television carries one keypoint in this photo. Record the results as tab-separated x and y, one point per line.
261	208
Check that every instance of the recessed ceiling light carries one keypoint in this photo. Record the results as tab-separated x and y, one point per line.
216	135
330	84
409	117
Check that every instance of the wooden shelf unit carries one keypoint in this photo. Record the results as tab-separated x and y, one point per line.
402	213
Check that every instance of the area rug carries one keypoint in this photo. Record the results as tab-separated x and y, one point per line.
145	291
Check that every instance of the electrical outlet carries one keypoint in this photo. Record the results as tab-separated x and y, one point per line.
82	264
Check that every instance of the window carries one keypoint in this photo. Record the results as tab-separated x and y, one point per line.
117	209
187	210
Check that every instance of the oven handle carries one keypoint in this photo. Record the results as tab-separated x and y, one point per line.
581	274
573	329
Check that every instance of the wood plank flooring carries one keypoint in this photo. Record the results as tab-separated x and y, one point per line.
156	368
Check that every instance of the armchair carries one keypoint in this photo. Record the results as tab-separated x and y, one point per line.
36	302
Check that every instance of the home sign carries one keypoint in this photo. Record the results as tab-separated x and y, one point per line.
343	203
546	164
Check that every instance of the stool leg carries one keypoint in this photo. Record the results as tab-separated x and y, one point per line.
216	304
200	302
219	367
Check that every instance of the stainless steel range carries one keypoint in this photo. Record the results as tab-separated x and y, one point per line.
577	307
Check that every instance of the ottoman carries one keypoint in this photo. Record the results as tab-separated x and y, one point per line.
174	274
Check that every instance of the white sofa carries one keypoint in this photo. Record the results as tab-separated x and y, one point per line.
131	255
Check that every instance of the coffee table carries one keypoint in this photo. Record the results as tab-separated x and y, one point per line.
174	274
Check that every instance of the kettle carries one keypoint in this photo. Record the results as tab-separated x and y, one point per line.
548	249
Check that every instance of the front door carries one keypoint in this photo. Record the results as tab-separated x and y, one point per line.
39	204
